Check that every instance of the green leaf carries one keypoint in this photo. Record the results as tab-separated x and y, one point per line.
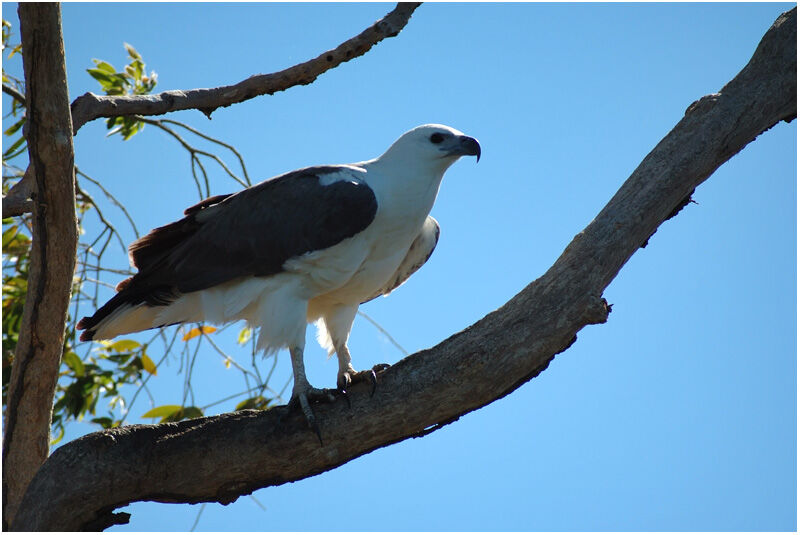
138	69
130	128
183	413
257	402
103	77
163	411
105	422
55	440
11	130
7	154
192	412
132	52
244	336
104	66
149	365
8	235
74	362
123	346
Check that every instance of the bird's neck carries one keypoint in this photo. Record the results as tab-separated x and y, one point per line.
405	184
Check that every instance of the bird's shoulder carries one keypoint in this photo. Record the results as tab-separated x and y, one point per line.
262	226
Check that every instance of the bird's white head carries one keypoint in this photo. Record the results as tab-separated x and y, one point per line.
432	145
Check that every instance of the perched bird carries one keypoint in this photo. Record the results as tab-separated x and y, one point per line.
309	245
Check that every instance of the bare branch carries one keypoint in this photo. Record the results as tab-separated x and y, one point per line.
90	106
85	197
214	140
190	461
110	197
11	91
194	151
18	201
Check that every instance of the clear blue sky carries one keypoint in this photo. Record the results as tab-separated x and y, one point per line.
678	414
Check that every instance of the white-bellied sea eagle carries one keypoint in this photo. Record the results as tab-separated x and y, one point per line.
309	245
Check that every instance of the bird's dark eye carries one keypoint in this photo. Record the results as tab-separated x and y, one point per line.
437	138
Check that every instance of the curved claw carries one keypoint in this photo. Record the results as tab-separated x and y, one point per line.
374	378
346	379
346	397
304	399
343	381
309	414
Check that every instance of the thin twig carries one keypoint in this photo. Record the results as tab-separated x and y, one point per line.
13	92
111	198
214	140
384	332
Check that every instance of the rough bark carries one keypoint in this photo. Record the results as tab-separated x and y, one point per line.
221	458
33	378
18	200
90	106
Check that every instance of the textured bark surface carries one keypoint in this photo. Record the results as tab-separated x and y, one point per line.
89	106
221	458
33	378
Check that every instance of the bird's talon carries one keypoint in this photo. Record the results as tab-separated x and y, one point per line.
309	414
343	381
346	396
374	379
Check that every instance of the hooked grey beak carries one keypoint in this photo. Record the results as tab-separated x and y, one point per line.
463	146
470	147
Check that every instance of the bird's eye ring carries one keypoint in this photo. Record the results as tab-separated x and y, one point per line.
437	138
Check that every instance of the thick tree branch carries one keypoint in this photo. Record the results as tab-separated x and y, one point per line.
35	369
18	200
90	106
190	461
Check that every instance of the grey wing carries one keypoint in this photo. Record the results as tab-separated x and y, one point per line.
420	251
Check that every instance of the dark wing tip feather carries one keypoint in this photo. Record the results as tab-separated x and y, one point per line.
87	336
85	324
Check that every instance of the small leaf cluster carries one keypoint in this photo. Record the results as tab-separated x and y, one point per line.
173	413
18	145
16	246
132	80
258	402
83	382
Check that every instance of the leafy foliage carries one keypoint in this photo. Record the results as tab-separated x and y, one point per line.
96	379
132	80
100	375
15	285
17	145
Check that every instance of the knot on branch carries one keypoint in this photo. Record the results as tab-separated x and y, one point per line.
703	104
596	310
